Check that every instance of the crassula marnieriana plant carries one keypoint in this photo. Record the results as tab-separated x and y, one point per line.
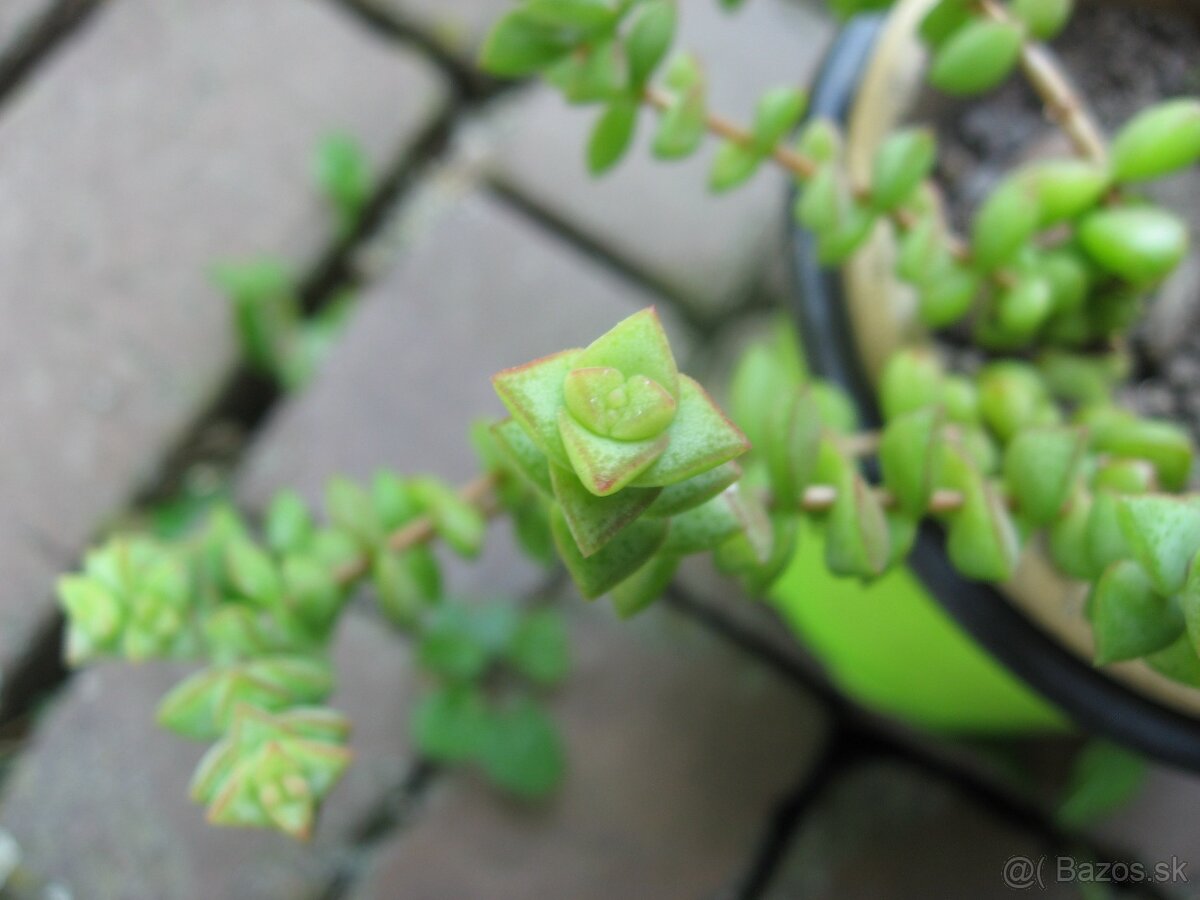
619	466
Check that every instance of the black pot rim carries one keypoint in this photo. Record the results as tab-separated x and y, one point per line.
1092	700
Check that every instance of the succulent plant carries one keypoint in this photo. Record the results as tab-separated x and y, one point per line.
619	466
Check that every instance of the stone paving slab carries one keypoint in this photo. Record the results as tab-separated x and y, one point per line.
887	832
99	802
1160	823
16	16
658	216
457	27
679	747
166	136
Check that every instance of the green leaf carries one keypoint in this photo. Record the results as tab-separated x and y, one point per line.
908	456
732	165
924	252
1103	780
912	379
451	723
1065	188
836	245
943	20
343	173
1068	538
1189	602
1177	662
1129	618
1043	18
595	74
406	584
265	309
1068	277
519	448
640	590
313	594
539	648
823	202
1040	469
459	523
757	382
982	540
288	525
960	398
587	16
1004	223
1011	397
533	531
682	128
617	560
778	112
637	345
254	573
521	44
690	493
605	465
976	57
1141	244
1105	538
1158	141
1163	533
612	135
791	445
523	753
1165	445
857	541
394	500
607	403
452	645
758	571
649	39
902	162
202	705
947	298
351	509
593	520
700	438
820	140
706	526
1081	378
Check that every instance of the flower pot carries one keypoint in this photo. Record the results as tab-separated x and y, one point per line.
926	644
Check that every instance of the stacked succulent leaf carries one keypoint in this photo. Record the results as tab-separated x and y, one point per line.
634	459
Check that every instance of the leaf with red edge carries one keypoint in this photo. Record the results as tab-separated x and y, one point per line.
700	438
615	561
533	394
594	521
637	345
605	465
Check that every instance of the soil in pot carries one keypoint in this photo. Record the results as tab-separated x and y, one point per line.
1122	56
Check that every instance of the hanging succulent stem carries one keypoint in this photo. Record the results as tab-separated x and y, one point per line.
480	493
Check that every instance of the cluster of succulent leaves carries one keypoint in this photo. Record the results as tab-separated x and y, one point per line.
277	335
261	612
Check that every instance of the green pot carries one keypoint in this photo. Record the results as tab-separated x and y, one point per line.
895	650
